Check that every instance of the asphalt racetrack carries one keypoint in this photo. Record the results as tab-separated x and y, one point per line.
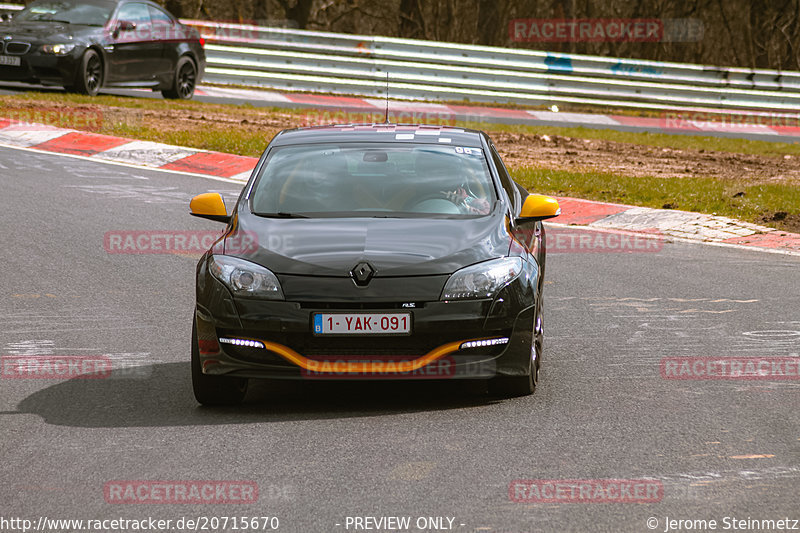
323	454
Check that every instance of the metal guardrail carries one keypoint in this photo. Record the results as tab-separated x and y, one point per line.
290	59
300	60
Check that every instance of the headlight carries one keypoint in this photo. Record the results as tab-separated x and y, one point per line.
245	278
58	49
483	280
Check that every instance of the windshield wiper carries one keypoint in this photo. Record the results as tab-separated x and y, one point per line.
282	214
54	20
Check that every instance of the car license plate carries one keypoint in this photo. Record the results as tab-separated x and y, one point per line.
362	323
10	61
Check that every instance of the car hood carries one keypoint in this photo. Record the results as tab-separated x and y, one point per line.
54	32
392	246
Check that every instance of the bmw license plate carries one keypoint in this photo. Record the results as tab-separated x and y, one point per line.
10	61
362	323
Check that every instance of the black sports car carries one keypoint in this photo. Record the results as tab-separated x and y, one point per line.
374	251
85	45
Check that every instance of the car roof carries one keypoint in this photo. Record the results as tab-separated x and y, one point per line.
399	133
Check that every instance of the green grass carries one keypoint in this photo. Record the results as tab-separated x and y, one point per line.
703	195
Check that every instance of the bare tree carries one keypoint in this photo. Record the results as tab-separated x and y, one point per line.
298	11
412	23
746	33
491	22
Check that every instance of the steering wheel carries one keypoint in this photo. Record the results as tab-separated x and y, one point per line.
415	202
474	185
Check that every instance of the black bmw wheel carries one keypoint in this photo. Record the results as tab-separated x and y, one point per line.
214	390
183	84
89	77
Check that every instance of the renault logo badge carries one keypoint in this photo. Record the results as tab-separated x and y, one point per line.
362	273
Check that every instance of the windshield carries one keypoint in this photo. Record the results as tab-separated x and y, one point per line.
83	13
374	179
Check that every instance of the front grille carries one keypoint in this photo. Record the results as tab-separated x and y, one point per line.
325	306
413	345
16	48
2	47
411	350
359	351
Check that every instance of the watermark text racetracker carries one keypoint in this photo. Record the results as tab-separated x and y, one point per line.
77	119
317	117
586	491
65	367
191	242
194	523
636	30
711	120
55	366
730	368
180	492
398	368
563	240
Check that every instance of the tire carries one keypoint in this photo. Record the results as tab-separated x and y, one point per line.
214	390
538	332
183	80
515	386
89	77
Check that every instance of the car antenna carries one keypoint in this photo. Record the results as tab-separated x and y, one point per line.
386	115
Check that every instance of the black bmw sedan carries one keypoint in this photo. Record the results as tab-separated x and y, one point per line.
85	45
374	251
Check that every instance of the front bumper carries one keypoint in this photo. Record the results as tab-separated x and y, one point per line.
47	69
433	350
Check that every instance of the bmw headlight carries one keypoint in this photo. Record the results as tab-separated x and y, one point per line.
58	49
483	280
244	278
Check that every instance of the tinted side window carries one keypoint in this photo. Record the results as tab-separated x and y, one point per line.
159	17
136	13
505	179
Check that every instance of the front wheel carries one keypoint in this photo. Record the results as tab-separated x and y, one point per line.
183	81
89	76
513	386
214	390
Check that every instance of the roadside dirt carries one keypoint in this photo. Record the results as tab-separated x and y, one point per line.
567	153
256	122
518	149
573	154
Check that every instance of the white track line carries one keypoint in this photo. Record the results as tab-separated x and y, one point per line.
129	165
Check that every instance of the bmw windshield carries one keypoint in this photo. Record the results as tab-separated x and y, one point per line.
86	13
374	180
